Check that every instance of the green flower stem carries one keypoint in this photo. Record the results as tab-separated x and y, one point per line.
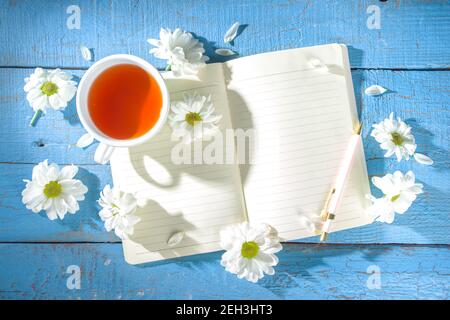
36	116
168	67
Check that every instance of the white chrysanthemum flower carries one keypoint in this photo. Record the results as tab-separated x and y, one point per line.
53	190
395	136
118	210
184	53
49	89
399	193
193	117
250	251
381	209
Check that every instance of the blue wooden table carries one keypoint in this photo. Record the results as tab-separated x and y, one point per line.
409	54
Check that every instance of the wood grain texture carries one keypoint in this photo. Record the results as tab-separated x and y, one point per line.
413	34
304	272
420	98
426	222
409	55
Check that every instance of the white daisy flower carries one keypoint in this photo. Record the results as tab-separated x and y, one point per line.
395	136
381	209
399	193
53	190
118	211
250	251
49	89
193	117
184	53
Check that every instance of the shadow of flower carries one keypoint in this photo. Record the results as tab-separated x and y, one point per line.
70	112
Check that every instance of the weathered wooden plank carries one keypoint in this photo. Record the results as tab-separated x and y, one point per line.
304	272
426	222
412	34
19	224
54	135
419	97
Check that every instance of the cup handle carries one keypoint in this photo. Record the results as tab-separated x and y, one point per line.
103	153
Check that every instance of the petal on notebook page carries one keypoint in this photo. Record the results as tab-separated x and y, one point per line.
225	52
317	64
231	33
175	238
307	223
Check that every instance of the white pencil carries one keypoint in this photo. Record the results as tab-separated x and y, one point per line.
337	191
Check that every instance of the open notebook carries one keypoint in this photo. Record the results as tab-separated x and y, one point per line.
303	117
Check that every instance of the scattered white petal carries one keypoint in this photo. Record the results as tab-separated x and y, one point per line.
231	33
53	190
423	159
86	53
312	222
316	63
375	90
250	250
225	52
85	140
175	238
307	223
141	202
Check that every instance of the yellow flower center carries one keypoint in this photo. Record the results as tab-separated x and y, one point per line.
116	209
394	198
192	118
249	249
52	189
49	88
397	138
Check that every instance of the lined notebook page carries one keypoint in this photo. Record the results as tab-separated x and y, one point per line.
196	199
303	118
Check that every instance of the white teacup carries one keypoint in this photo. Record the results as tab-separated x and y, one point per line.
107	144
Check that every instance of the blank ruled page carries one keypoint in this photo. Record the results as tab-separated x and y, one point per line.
198	199
303	118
